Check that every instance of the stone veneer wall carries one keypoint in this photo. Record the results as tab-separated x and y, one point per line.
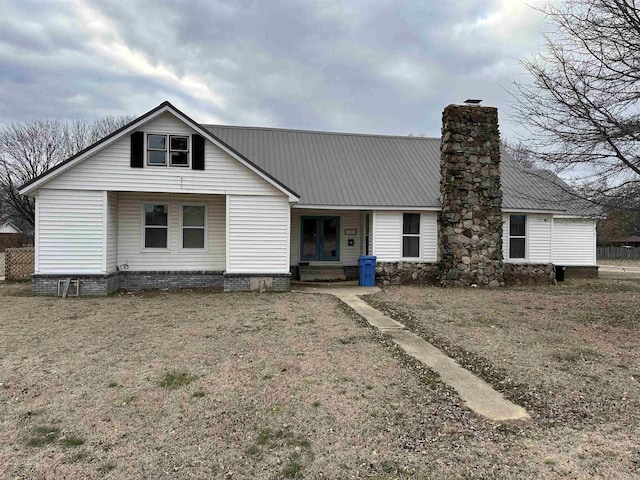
529	274
470	233
396	273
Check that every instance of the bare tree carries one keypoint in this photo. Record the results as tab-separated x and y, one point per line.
581	104
28	149
520	151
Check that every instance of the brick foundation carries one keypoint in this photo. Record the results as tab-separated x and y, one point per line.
100	285
90	285
169	280
269	282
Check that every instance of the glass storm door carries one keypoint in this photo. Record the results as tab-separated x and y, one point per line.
320	238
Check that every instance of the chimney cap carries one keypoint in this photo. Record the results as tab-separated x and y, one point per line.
472	101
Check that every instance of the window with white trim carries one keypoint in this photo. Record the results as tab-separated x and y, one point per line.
156	225
517	236
193	226
411	235
163	150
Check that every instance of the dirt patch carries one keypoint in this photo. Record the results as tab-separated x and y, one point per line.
205	385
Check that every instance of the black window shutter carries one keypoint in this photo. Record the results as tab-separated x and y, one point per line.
197	155
137	150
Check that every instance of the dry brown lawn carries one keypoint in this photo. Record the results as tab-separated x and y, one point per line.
206	385
569	353
620	262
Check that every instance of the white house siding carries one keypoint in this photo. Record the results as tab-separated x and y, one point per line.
349	219
429	232
574	242
538	241
258	234
112	231
387	236
70	228
131	251
110	169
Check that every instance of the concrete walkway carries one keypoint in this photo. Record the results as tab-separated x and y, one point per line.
478	395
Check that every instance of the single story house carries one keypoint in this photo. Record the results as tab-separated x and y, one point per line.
167	202
8	228
631	241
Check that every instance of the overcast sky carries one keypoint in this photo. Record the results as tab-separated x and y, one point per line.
376	66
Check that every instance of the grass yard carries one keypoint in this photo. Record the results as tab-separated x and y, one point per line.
569	353
619	262
208	385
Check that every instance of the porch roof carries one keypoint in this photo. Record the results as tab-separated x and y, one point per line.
341	169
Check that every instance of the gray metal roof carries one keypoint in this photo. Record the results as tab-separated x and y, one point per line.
341	169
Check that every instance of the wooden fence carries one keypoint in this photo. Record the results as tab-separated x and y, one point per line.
19	263
618	253
15	240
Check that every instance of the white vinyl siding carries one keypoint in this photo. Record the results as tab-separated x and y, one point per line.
110	169
538	238
130	230
349	220
112	231
70	231
429	232
258	235
387	236
574	242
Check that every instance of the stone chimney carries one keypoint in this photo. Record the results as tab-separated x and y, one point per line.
470	235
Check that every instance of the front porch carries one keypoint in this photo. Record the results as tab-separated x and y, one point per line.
326	243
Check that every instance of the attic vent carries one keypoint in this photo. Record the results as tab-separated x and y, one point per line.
69	287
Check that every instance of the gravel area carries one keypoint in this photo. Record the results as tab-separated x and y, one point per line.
206	385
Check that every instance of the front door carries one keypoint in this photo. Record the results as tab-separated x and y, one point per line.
320	238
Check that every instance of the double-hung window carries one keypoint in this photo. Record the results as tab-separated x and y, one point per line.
163	150
193	226
157	149
411	235
178	151
156	226
517	236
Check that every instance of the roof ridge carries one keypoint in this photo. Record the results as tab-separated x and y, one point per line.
319	132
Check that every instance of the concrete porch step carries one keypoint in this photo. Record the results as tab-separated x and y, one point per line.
321	274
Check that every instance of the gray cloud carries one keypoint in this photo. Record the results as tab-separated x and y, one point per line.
386	66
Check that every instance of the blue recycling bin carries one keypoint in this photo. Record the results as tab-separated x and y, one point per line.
367	265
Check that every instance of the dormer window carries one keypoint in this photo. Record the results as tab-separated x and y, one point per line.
163	150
